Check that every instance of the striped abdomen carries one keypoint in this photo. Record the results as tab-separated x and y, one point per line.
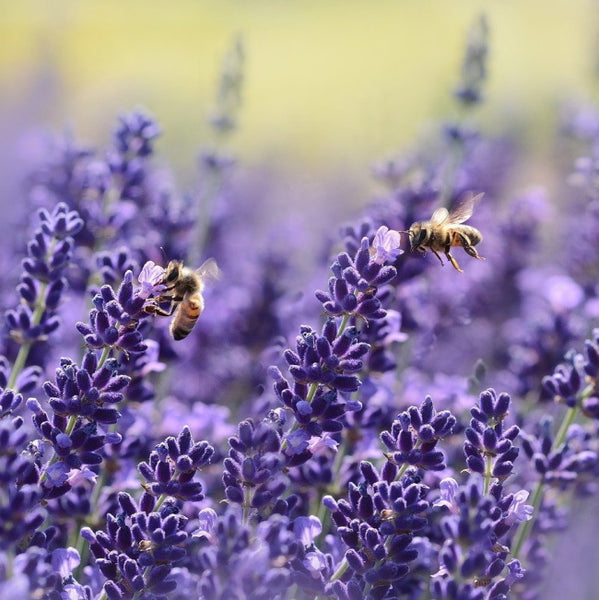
474	235
187	314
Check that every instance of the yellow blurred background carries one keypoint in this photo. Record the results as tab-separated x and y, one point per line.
330	85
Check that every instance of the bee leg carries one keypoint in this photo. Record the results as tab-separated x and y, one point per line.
453	261
468	247
154	309
437	255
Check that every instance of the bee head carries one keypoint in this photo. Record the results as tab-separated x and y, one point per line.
172	272
418	235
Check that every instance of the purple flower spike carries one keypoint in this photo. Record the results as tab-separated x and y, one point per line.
255	466
173	465
377	523
135	134
353	288
488	438
480	523
414	436
42	282
474	66
114	322
139	549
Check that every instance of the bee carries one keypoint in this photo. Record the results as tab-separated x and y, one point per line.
444	230
184	288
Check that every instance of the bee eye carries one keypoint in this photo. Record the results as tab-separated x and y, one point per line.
172	275
421	237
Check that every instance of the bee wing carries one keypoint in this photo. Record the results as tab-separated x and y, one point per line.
439	216
463	211
209	270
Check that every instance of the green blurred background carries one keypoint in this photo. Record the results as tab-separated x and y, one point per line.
330	86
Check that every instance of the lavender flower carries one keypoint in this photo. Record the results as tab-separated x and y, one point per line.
555	463
114	320
253	474
224	119
133	142
173	464
377	523
138	549
83	398
415	434
352	289
474	67
489	447
42	282
328	359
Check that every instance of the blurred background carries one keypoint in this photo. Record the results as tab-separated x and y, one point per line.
329	87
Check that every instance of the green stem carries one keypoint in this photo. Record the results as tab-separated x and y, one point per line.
26	347
291	593
488	474
80	545
19	364
526	526
160	502
145	578
311	392
35	320
340	571
343	324
247	501
9	564
321	512
70	425
103	357
560	438
537	496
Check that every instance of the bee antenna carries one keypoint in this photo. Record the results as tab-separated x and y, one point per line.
164	254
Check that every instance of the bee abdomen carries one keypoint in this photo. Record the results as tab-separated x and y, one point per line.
186	317
181	327
473	235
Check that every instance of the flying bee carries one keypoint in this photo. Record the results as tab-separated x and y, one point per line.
184	288
444	230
